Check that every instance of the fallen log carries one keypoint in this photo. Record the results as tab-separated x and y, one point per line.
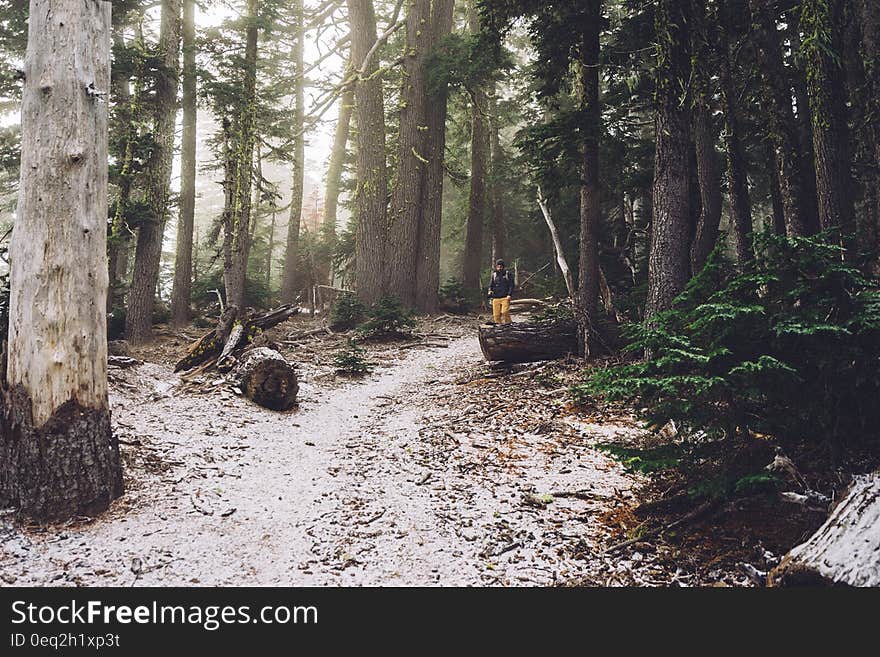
523	342
266	378
846	549
232	333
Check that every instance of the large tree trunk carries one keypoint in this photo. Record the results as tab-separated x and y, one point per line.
266	378
239	216
869	23
148	253
182	291
524	342
844	551
472	256
58	456
587	302
288	281
738	189
780	117
428	259
668	260
825	88
371	197
405	213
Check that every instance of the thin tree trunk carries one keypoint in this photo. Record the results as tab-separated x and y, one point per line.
337	160
270	249
405	212
428	259
558	249
472	257
58	455
869	23
780	116
288	280
148	253
240	218
499	225
705	136
668	259
182	291
738	190
587	305
825	87
371	198
119	233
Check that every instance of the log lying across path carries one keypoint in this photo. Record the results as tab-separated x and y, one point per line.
846	549
266	378
523	342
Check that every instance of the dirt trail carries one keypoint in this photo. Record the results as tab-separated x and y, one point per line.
371	483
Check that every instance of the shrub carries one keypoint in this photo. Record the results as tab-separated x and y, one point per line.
790	347
454	298
346	313
386	318
351	361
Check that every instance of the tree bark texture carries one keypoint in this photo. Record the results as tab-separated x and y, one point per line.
58	456
267	379
524	342
428	258
371	196
499	224
182	291
288	282
337	160
669	256
405	213
148	252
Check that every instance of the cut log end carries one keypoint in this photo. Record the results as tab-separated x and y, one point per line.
267	379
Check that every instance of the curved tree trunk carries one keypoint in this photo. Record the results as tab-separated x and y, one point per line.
182	291
58	456
371	197
669	256
428	258
148	253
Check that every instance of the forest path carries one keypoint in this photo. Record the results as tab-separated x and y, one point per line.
401	479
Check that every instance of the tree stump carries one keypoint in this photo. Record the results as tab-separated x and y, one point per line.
846	549
523	342
267	379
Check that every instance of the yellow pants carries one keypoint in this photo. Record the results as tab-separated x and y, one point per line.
501	310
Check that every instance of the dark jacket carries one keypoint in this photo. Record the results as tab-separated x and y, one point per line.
501	284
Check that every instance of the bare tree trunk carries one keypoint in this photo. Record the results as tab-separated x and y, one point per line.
587	301
472	257
58	456
371	198
182	291
558	249
148	253
780	117
240	218
337	159
668	260
825	88
740	205
428	259
499	225
288	281
405	213
869	23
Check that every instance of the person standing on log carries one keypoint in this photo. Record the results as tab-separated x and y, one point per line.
500	291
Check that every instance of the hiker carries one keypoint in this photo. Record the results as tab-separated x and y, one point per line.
500	290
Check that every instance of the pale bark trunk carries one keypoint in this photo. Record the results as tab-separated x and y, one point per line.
337	159
499	224
180	296
58	457
288	281
371	198
148	253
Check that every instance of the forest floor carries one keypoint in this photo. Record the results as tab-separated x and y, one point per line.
435	469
